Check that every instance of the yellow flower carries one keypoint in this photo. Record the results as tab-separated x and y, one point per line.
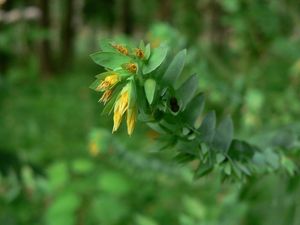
106	96
121	106
121	49
108	82
131	119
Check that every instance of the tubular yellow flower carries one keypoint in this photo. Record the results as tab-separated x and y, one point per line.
106	96
108	82
131	119
120	107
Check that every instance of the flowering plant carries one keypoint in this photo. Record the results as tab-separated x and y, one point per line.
147	83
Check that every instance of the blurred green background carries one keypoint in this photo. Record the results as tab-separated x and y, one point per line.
59	163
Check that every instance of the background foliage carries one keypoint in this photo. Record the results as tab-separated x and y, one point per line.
59	163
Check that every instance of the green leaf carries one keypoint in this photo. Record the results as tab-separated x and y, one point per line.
82	166
207	128
236	170
289	165
101	209
203	169
113	183
110	60
272	158
175	68
194	109
227	169
132	94
156	127
241	150
194	208
147	51
243	168
66	202
187	90
142	45
150	86
220	158
101	76
58	175
95	84
184	157
106	46
223	136
156	58
28	177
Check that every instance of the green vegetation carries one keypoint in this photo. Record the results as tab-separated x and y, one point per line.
59	162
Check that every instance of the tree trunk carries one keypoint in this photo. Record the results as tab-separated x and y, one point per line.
45	48
67	34
127	17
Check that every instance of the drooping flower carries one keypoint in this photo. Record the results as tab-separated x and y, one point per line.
131	119
108	82
120	107
126	102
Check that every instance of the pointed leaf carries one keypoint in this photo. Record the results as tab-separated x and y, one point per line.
223	136
194	109
156	58
95	84
207	128
150	86
156	127
203	169
106	46
241	150
175	68
132	94
184	157
187	90
110	60
147	51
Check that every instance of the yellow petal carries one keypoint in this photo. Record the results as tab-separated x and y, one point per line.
117	121
120	107
131	119
108	82
106	96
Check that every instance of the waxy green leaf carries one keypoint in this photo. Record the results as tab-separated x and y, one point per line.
187	90
156	58
110	60
150	86
175	68
223	136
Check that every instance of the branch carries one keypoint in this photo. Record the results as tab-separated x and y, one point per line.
146	84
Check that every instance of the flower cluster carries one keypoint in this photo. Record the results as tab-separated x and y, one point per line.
118	83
